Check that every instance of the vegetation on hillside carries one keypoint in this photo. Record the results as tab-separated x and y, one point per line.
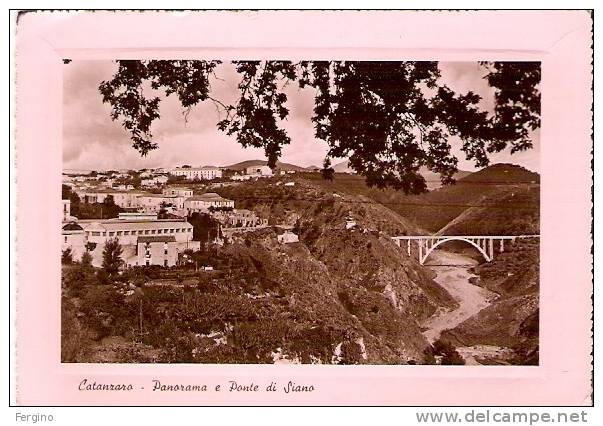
338	296
434	210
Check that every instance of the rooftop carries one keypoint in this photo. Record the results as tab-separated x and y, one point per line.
197	168
72	226
127	224
207	196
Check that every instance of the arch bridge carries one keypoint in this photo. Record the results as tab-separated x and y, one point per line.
483	243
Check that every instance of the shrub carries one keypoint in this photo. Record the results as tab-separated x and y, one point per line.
448	353
67	256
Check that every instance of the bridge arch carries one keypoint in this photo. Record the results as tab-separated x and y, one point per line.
445	240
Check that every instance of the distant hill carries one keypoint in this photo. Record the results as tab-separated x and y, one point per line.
252	163
510	211
432	179
435	209
343	167
502	173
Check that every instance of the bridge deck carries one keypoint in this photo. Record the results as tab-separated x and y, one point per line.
497	237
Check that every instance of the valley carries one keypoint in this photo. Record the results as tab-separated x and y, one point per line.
342	292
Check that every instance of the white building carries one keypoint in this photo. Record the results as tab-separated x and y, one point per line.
287	237
73	237
260	171
199	173
203	202
123	186
152	203
160	240
154	181
179	191
124	199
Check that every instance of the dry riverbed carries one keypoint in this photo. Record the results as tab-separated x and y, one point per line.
453	274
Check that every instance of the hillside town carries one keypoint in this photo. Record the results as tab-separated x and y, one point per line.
152	207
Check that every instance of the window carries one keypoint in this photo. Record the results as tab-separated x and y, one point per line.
159	231
126	232
153	231
165	263
96	233
119	233
66	239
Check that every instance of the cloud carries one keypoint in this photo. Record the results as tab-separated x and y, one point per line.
91	140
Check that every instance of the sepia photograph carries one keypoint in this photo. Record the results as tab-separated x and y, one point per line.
300	212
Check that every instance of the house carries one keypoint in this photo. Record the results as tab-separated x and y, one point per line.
124	199
151	203
179	191
258	171
287	237
239	218
203	203
123	186
154	181
350	223
240	177
156	250
199	173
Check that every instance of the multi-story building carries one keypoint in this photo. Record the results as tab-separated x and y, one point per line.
179	191
203	202
199	173
124	199
151	203
134	235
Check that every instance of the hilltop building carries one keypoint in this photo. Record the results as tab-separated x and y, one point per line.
201	173
259	171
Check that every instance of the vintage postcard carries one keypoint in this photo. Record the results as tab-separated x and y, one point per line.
270	215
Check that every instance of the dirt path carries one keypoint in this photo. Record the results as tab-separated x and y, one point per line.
455	279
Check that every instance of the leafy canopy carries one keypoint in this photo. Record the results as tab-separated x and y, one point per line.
389	118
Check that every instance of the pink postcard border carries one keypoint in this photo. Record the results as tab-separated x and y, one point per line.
560	39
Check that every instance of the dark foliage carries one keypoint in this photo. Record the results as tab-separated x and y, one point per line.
67	256
448	353
389	118
112	260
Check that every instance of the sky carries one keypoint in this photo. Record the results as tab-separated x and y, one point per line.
92	141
